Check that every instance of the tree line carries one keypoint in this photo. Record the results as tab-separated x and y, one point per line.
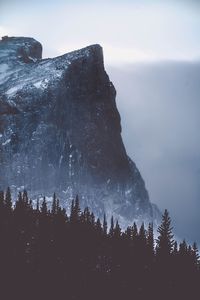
47	254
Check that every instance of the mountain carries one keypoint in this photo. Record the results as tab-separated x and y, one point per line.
60	131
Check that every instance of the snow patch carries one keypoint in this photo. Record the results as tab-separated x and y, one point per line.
127	192
41	84
6	142
13	90
21	188
48	199
33	59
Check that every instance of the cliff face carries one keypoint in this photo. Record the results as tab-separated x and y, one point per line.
60	131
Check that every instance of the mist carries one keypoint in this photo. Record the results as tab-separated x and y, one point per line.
159	106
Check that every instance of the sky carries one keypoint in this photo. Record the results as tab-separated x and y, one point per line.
159	106
152	55
137	30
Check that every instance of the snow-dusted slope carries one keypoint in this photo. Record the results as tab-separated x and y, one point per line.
60	131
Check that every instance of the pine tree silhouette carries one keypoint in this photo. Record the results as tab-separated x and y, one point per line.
134	231
8	200
117	230
195	255
49	253
1	199
150	242
54	205
105	227
44	207
165	240
111	231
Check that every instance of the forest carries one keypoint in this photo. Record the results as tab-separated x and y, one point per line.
46	253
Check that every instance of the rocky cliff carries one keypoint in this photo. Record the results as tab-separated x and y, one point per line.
60	131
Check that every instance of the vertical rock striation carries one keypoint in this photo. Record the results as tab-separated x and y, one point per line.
60	131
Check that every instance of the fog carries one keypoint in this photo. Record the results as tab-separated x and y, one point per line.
159	106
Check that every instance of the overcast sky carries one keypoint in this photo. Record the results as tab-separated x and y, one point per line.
152	54
128	30
159	105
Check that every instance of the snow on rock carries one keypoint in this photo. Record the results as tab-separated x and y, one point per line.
13	90
41	84
62	119
6	142
3	68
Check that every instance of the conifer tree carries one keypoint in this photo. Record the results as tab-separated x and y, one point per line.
8	199
20	199
142	235
98	226
58	208
19	203
134	231
25	198
111	231
72	211
150	239
175	249
128	232
38	206
2	205
92	219
1	200
183	248
54	206
195	255
85	217
75	211
44	207
30	204
77	206
165	240
117	230
104	225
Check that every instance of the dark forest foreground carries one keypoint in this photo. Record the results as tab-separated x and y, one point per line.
45	254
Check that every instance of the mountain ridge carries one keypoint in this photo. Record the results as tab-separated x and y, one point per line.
59	124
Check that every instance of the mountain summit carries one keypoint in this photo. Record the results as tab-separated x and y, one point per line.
60	131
